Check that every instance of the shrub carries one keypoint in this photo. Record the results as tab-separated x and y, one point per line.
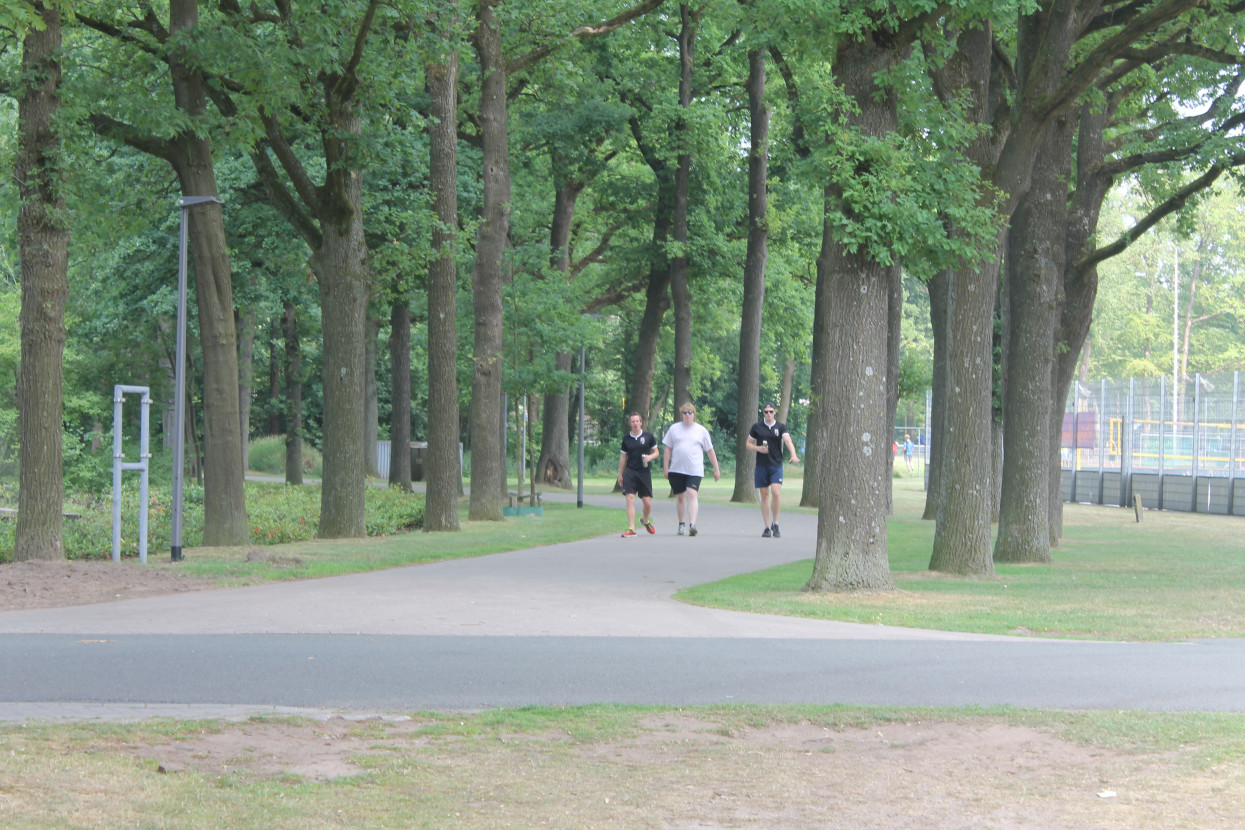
276	514
267	455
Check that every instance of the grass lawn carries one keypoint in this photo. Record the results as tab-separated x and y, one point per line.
1171	576
333	557
793	767
1174	575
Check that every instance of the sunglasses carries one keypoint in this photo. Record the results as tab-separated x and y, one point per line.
688	412
767	411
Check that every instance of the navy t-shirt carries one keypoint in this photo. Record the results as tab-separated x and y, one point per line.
634	448
771	436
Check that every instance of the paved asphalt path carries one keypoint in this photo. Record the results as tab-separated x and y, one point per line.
584	622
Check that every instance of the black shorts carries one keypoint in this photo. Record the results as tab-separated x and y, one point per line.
639	483
680	482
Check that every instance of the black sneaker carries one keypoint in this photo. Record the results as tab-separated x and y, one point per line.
765	534
691	530
774	527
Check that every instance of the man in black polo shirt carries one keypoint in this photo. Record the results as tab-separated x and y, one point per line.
767	438
639	447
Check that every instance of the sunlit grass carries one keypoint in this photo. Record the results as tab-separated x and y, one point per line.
598	766
332	557
1171	576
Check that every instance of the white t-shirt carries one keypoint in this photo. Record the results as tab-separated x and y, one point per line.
688	445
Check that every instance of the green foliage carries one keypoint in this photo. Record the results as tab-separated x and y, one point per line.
392	510
267	455
1132	331
276	514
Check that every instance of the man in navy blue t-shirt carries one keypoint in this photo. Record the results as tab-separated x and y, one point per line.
767	438
638	449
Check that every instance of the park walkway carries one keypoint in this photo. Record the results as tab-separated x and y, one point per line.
588	621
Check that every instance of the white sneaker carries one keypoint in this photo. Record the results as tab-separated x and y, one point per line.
682	529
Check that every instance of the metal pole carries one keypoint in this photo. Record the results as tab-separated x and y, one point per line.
144	459
1195	456
1102	437
179	384
118	397
1076	433
579	498
119	465
1233	442
1126	449
1162	436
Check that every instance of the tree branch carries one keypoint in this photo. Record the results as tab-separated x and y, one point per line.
285	203
349	78
303	185
582	33
1168	207
109	127
1084	73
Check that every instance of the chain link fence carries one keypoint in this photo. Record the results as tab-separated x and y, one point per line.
1179	446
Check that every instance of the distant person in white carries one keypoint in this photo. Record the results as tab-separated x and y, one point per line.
687	443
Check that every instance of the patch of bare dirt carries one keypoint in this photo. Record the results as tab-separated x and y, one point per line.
683	772
274	561
38	584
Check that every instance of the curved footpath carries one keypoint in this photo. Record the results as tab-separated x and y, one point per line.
583	622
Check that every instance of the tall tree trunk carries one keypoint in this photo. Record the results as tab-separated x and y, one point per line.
966	472
554	465
749	368
965	458
329	217
938	301
400	399
341	274
852	402
274	380
488	466
194	453
894	323
788	383
815	447
442	473
244	324
1034	262
1002	315
656	301
293	395
680	294
1077	286
341	271
43	242
224	501
371	398
643	364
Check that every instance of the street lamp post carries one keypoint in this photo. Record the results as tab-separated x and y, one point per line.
179	374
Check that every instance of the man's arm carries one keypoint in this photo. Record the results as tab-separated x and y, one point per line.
713	456
786	439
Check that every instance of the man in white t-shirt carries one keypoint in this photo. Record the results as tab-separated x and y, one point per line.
687	443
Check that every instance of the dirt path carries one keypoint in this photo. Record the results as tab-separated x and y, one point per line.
34	584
